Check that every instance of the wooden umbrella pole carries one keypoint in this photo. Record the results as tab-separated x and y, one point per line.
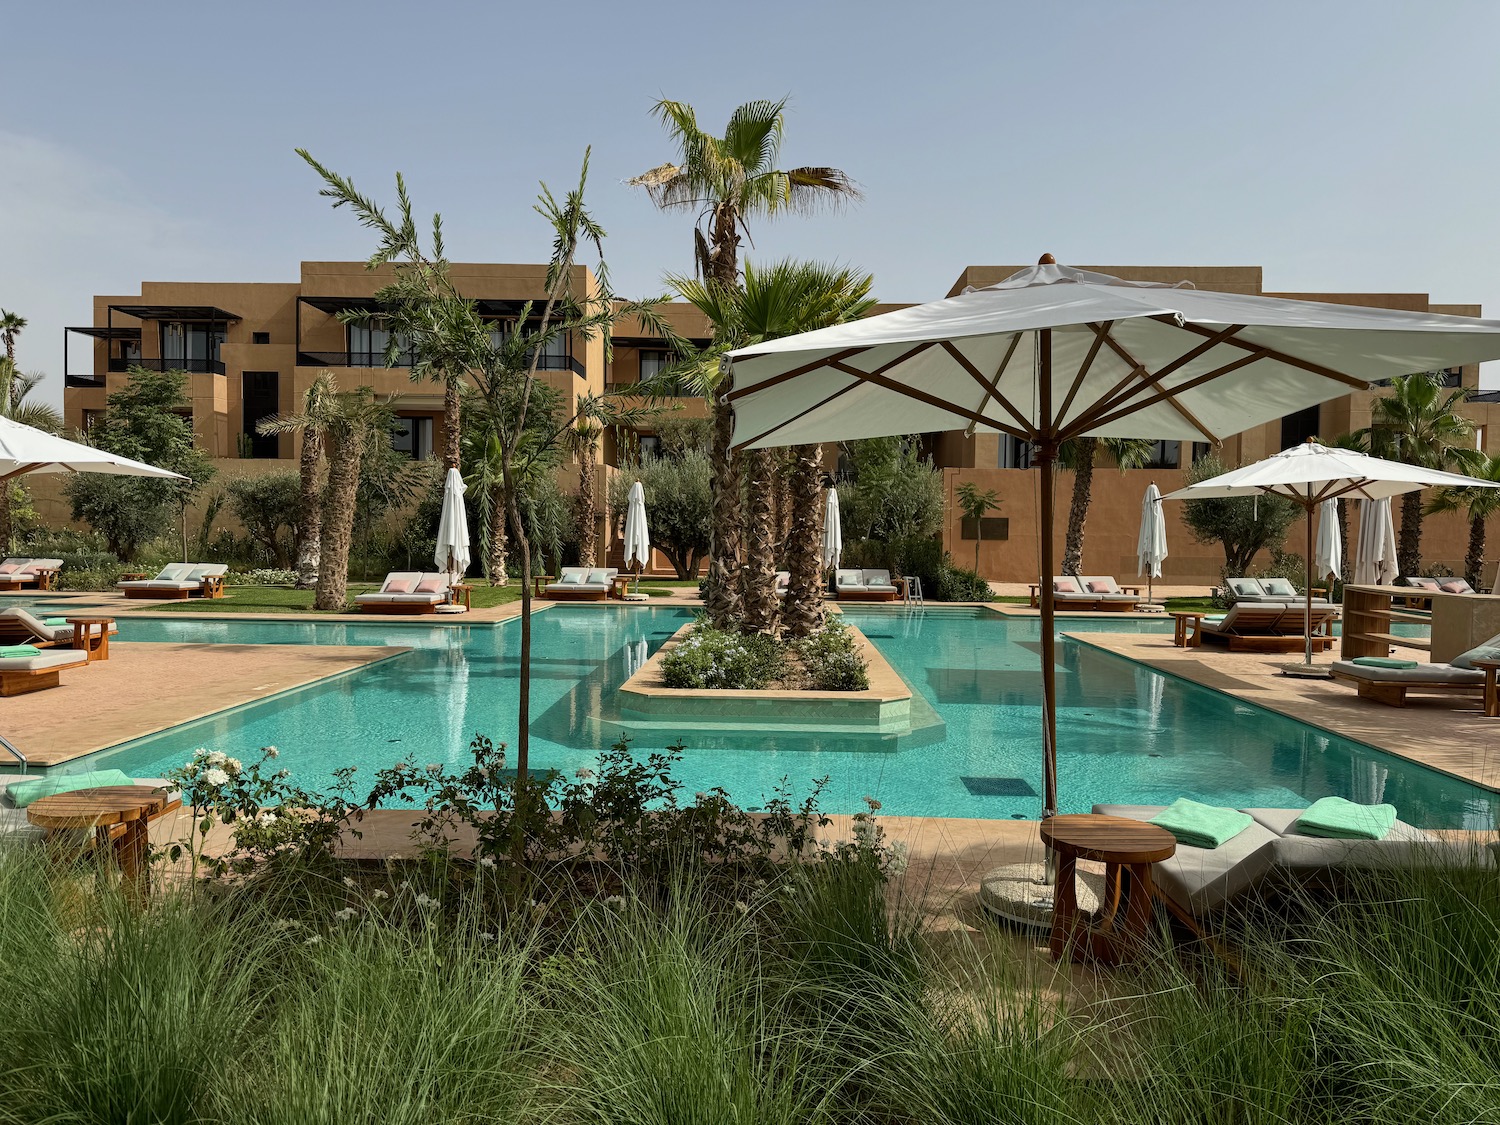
1046	457
1307	597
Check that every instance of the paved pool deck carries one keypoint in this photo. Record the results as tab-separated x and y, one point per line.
1445	732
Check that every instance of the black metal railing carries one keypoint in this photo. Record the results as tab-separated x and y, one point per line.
663	390
83	380
351	359
209	366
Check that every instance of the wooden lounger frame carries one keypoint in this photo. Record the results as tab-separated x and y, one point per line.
23	681
1393	692
409	608
851	594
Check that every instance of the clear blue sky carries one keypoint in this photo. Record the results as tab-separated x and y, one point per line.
1343	146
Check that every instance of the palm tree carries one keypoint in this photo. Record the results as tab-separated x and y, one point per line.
1079	455
11	326
584	438
727	180
1420	425
1478	504
783	299
347	422
319	409
975	505
14	387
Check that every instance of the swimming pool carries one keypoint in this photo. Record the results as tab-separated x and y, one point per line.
1125	732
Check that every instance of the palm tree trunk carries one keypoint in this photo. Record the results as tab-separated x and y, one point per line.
523	710
723	599
588	513
1343	507
802	609
1078	512
6	528
309	509
498	540
1474	560
452	421
758	575
1409	546
345	451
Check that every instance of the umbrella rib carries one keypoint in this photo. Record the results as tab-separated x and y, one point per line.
795	417
1120	350
1111	411
837	357
992	389
1100	331
923	397
29	468
1280	356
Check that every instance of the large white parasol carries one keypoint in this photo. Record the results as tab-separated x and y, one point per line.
637	537
1151	543
25	449
452	551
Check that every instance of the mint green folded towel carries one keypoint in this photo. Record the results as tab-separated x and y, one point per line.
9	651
22	793
1384	662
53	621
1338	819
1199	825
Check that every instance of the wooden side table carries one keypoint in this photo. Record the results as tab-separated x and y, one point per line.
46	579
1185	624
539	585
619	585
133	576
460	591
213	586
91	635
102	809
1127	848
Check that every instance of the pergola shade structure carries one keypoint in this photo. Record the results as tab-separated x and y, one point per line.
1054	353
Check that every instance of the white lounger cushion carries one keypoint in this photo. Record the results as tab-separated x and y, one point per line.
1203	879
52	658
849	578
394	599
1421	674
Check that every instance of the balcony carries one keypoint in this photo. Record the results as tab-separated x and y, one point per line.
196	366
674	390
84	381
351	359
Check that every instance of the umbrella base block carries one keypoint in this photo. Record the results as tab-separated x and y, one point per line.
451	609
1307	671
1019	894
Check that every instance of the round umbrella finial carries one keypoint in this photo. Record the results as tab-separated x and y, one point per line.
1046	260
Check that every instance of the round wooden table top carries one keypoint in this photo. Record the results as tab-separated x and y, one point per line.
90	620
97	808
1108	839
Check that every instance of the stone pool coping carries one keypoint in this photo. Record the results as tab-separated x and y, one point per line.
1449	734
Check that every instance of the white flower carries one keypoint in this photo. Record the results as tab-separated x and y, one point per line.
615	900
486	937
900	858
348	882
426	902
434	768
700	797
345	914
742	907
314	940
583	773
487	861
217	758
265	817
379	894
233	765
283	773
216	777
284	924
272	752
401	766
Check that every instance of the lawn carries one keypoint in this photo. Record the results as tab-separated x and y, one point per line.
284	599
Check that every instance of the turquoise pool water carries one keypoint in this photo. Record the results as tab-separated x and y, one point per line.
1125	733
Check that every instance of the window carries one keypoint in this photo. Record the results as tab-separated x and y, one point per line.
1297	428
260	337
650	446
413	436
90	417
1201	449
653	363
190	347
260	398
1014	453
1452	377
368	341
1480	433
1165	455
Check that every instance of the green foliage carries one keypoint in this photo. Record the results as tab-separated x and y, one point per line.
718	658
681	436
895	494
831	660
141	423
959	584
266	506
976	503
1242	525
924	558
679	505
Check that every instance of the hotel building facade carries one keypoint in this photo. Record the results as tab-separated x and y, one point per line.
252	349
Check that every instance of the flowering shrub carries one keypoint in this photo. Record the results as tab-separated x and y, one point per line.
270	576
716	658
831	660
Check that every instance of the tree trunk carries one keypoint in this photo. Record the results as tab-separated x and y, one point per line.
588	513
452	423
345	451
723	599
7	530
1343	540
802	609
523	710
1474	560
758	575
498	543
1078	512
1409	546
309	509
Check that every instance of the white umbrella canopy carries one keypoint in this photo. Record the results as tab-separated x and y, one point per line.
1054	353
25	450
637	537
452	551
1151	543
833	531
1311	474
1375	553
1328	554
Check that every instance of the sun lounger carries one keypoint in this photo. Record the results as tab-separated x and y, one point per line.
1268	590
1263	627
22	674
583	584
16	829
1391	685
1272	854
1090	592
19	626
864	585
179	581
16	574
406	592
